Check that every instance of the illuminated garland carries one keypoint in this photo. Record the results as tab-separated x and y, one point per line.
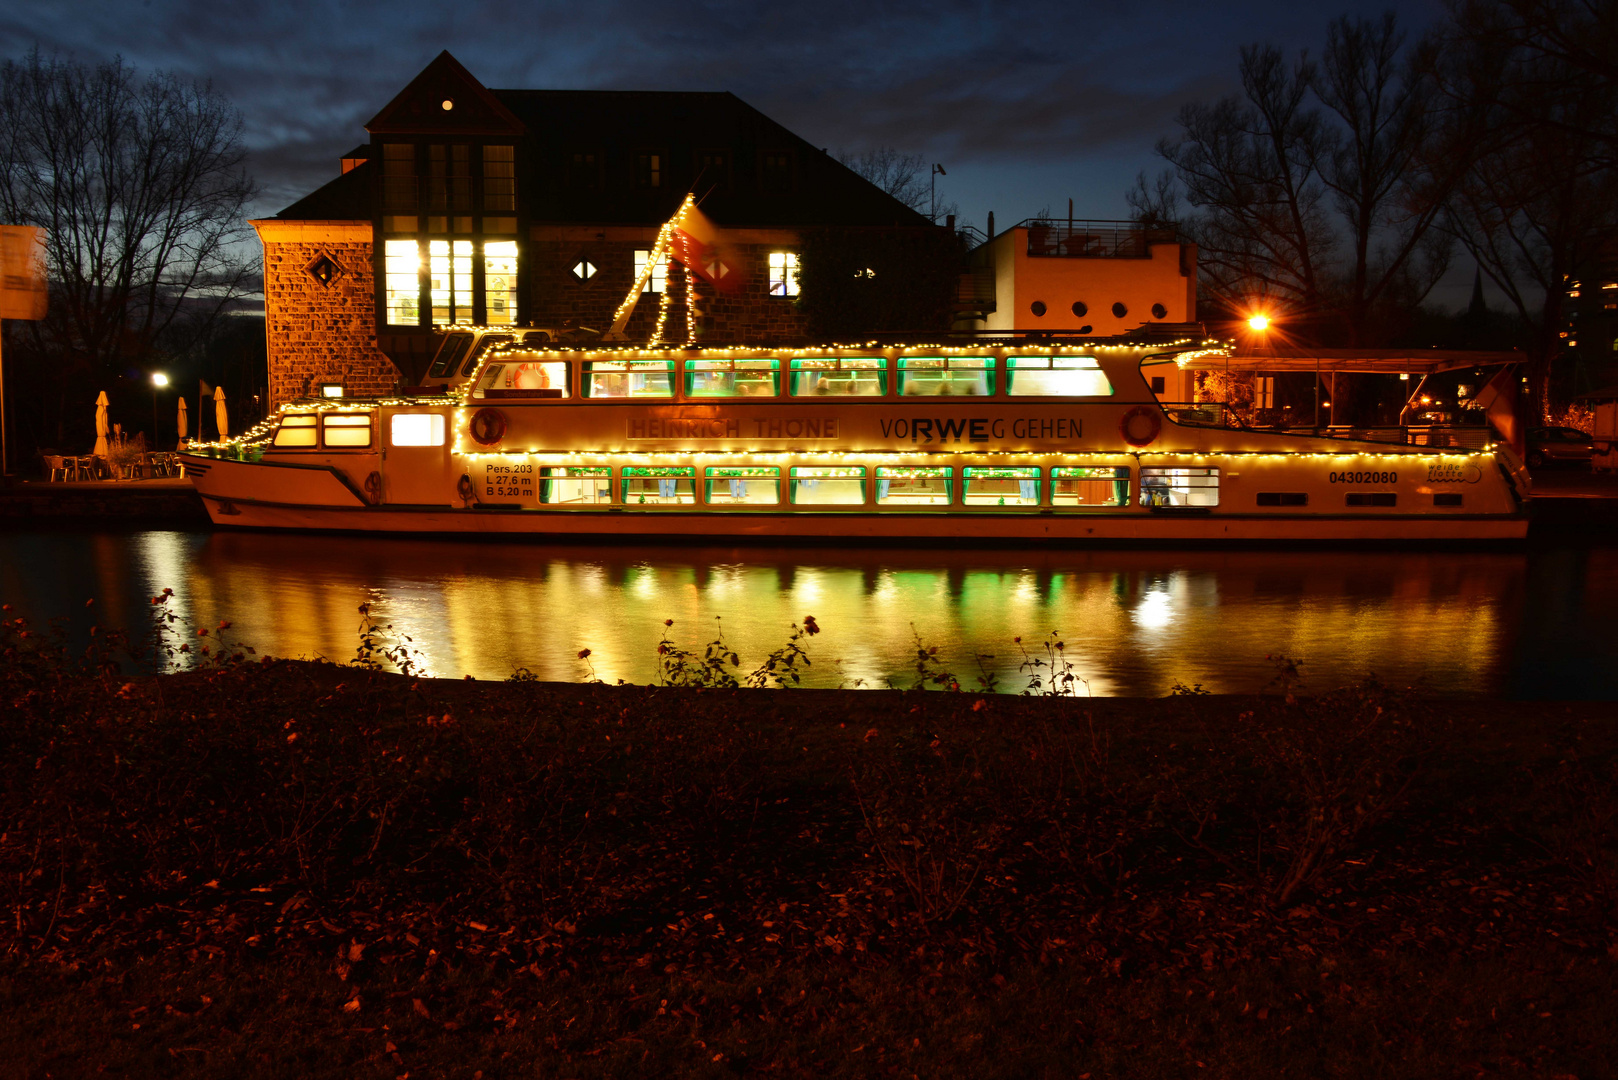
690	306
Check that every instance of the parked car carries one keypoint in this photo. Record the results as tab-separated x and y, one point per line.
1553	444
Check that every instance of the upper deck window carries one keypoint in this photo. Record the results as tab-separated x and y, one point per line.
732	378
516	374
844	376
628	378
449	355
346	430
297	429
938	376
488	342
1056	376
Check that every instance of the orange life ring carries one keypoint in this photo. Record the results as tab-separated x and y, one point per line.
1140	426
373	488
488	426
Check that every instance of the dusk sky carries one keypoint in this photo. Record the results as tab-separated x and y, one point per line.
1026	105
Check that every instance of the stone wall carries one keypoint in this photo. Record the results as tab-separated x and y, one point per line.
321	323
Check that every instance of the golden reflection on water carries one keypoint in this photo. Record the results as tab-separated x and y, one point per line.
1130	622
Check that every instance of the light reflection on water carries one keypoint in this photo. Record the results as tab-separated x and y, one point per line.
1524	623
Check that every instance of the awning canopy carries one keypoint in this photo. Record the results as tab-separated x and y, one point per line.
1381	361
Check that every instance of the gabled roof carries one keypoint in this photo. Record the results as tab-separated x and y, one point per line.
419	109
347	198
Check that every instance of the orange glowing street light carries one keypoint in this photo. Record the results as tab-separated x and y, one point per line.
1259	322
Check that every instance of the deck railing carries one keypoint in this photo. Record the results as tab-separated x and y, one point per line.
1070	239
1216	414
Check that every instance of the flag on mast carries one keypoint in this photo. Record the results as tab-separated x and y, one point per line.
695	241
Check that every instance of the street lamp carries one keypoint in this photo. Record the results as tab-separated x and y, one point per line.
1259	322
159	380
932	180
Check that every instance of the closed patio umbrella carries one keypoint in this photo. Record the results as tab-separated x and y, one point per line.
102	425
220	414
180	420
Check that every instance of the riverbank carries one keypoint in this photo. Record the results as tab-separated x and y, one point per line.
296	868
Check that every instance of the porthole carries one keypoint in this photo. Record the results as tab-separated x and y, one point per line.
1080	309
1159	311
1119	310
1038	308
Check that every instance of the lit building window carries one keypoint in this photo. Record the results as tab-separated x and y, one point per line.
500	282
783	273
450	265
401	264
659	281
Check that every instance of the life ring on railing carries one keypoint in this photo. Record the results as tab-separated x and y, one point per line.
1140	426
373	488
463	488
488	426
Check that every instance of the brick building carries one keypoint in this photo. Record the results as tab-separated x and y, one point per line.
536	208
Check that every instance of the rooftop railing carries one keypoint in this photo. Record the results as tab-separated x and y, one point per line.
1066	238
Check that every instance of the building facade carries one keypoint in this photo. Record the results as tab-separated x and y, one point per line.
539	208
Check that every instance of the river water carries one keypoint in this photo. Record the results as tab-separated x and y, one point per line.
1536	623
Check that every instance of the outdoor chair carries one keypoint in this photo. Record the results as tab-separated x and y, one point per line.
83	468
55	467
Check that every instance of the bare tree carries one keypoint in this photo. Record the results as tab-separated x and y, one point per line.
140	184
1320	186
907	177
1542	199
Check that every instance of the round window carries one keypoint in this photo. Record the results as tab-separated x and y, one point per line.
1119	310
1080	308
1159	311
1038	308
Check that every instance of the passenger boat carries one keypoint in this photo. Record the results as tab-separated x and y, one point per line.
1002	442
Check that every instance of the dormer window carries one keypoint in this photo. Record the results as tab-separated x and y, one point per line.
775	172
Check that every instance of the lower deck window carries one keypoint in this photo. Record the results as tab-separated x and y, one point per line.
909	486
742	485
575	486
1371	498
297	431
523	378
1090	485
416	429
1179	487
659	486
842	485
1283	498
1001	487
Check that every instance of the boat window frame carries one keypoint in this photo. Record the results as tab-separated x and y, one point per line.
1120	474
587	370
1021	473
836	474
762	474
497	363
987	366
864	362
327	416
313	427
676	473
930	472
441	432
1054	362
444	365
1183	472
769	366
574	472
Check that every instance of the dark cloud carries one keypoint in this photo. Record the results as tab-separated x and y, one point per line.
1004	93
